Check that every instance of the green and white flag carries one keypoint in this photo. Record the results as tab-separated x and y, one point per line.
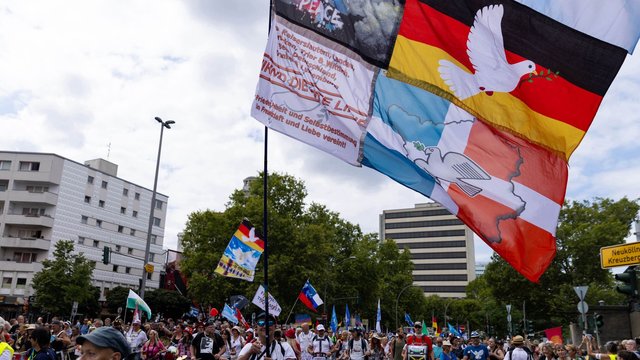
133	301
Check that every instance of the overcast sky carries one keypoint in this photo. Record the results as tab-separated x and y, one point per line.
76	76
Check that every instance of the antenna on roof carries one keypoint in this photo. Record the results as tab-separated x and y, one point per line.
108	150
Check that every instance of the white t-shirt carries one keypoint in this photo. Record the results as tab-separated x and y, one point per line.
277	350
518	354
356	351
305	340
321	345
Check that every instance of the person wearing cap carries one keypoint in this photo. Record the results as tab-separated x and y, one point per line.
257	350
293	342
237	342
518	351
475	350
358	347
207	345
136	338
321	345
418	341
446	351
40	350
105	343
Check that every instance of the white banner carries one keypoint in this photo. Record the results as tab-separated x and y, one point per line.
258	300
313	93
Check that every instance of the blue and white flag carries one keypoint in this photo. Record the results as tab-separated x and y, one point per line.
229	314
194	312
407	318
347	316
378	318
334	320
453	330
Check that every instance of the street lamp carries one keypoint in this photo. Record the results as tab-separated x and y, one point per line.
163	124
397	299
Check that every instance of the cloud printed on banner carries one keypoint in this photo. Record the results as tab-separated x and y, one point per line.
367	27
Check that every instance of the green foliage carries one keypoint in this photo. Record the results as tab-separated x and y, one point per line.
304	242
117	298
64	279
168	303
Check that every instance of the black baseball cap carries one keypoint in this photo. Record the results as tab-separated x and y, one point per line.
107	337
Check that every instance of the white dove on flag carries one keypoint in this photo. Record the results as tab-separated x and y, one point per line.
485	48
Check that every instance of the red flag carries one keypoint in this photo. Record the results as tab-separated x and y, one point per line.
554	335
241	319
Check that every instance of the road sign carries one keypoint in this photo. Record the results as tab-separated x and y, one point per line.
581	291
620	255
149	268
583	308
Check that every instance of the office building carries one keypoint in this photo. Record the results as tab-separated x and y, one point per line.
441	247
45	198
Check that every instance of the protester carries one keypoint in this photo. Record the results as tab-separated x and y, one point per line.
152	348
446	351
206	345
375	348
291	340
257	350
475	351
40	339
417	342
236	342
105	343
136	338
358	347
397	345
321	345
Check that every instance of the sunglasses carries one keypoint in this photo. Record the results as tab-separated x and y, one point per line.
269	323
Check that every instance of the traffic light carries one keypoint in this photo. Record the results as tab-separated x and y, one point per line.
106	255
629	282
599	321
529	327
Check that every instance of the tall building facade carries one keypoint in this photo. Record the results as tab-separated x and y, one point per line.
441	247
45	198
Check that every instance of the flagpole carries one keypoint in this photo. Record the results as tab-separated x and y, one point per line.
294	305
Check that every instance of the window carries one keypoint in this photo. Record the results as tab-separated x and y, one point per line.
101	203
120	228
24	257
132	232
87	199
81	240
123	210
134	214
152	257
21	283
6	282
154	239
104	184
5	165
33	211
84	219
117	248
137	196
125	192
129	251
29	166
99	223
115	268
37	189
156	221
89	179
127	270
96	243
159	204
149	276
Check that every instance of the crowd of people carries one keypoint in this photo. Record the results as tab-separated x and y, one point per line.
216	339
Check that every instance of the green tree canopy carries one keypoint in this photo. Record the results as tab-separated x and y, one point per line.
64	279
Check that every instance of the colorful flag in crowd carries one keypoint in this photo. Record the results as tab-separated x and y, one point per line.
407	319
378	319
241	256
334	320
453	330
194	312
613	21
425	330
241	319
229	314
258	300
302	319
347	316
497	160
481	58
554	335
309	296
135	302
358	320
434	325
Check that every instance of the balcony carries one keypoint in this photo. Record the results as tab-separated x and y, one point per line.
36	176
31	219
26	243
32	197
20	267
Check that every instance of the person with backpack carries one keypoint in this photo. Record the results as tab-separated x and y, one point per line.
358	347
321	346
518	351
476	350
257	350
418	343
340	348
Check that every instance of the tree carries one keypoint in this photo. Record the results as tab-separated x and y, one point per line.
584	227
168	303
117	298
64	279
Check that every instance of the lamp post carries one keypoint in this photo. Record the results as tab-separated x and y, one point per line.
163	124
326	283
397	299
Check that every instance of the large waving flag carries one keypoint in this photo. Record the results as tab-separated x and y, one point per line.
483	59
407	318
309	296
134	301
334	320
229	314
453	330
241	256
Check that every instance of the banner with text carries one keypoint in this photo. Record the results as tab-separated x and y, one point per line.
258	300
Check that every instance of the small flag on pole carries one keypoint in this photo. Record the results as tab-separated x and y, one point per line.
309	296
378	319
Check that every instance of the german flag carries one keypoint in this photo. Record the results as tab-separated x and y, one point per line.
507	64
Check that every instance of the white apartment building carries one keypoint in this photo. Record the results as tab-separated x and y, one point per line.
441	247
45	198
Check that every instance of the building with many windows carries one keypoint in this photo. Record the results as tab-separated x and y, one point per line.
441	247
45	198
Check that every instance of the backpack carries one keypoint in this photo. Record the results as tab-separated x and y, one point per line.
273	347
364	345
526	349
320	341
